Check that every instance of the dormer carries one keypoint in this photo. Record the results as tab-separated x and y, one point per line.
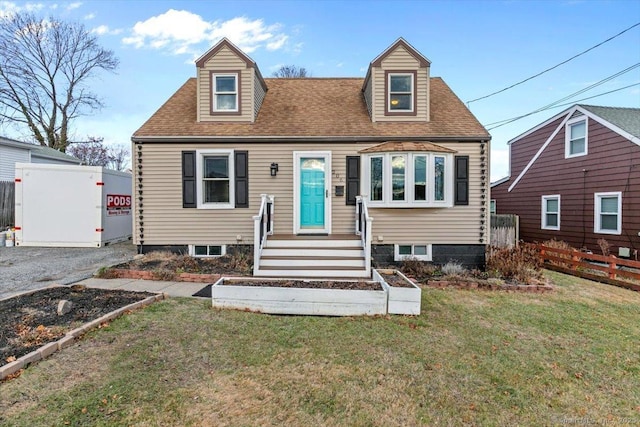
396	88
230	86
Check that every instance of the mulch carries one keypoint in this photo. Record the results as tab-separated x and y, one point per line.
30	321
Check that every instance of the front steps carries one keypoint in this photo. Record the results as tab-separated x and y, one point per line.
335	256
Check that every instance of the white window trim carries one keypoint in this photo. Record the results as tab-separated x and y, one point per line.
200	154
409	201
543	221
412	93
192	251
567	137
214	93
398	257
597	224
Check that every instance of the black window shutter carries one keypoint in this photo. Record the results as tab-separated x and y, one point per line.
462	180
242	179
353	179
189	179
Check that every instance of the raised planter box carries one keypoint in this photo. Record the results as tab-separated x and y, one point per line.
401	300
303	301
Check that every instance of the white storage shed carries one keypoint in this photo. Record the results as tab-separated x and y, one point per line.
71	206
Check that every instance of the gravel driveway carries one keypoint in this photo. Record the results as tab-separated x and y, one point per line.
27	268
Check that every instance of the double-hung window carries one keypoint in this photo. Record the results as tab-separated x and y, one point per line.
405	179
576	138
215	171
400	92
225	92
551	212
608	213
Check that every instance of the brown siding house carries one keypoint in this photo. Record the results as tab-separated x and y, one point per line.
232	151
576	178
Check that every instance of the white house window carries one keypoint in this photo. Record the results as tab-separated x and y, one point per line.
420	252
551	212
409	180
576	138
493	207
225	92
400	94
207	251
608	213
214	170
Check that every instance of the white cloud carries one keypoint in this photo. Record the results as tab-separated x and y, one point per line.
8	8
74	5
181	31
102	30
89	16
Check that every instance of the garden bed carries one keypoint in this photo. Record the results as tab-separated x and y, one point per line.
302	297
404	296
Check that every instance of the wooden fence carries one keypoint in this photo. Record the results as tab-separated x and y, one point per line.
7	204
505	230
605	269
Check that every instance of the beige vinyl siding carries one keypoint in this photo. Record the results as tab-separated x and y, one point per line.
258	93
401	60
167	223
225	60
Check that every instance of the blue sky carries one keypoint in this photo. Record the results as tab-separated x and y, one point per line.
477	47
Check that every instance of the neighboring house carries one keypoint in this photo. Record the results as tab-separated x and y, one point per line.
12	152
576	178
319	175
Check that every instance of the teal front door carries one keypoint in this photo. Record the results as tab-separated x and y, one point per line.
312	193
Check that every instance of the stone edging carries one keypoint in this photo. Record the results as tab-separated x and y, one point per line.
151	275
464	284
50	348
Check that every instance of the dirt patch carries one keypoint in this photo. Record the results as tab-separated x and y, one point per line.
30	321
395	280
309	284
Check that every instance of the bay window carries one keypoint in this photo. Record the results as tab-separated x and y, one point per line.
409	179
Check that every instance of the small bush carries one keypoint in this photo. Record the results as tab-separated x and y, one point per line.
559	244
162	274
454	268
107	273
604	246
520	263
419	269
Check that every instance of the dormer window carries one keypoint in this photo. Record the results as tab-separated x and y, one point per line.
225	93
401	93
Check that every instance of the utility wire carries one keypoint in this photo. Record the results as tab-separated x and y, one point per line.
555	66
554	104
571	103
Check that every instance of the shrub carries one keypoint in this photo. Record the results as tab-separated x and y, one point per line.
604	246
559	244
419	269
453	268
520	263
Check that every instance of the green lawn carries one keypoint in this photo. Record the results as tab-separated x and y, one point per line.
472	357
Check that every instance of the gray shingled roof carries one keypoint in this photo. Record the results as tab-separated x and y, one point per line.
50	153
627	119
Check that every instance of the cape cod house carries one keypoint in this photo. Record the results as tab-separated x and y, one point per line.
319	175
576	178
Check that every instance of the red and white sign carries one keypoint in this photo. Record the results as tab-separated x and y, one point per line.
118	204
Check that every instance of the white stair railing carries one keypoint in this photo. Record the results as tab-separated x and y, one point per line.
363	229
262	227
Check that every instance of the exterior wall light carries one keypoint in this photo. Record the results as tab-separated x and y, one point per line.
274	169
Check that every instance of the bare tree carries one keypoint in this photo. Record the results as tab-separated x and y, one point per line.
93	152
45	66
291	71
119	157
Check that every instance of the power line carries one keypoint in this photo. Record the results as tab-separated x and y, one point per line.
567	103
555	103
555	66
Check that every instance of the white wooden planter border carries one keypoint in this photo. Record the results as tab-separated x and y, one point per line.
309	301
400	300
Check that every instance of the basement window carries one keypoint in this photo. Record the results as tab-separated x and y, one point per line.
207	251
421	252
